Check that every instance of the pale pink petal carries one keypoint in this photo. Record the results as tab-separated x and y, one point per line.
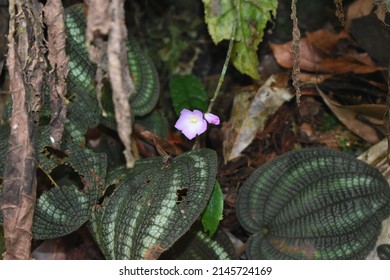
182	122
198	114
212	119
191	123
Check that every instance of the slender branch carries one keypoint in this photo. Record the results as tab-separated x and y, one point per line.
227	59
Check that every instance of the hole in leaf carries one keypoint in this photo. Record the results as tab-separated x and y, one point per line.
66	175
51	152
108	191
181	194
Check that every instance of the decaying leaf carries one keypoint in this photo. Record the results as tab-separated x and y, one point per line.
316	56
153	252
358	9
349	116
250	112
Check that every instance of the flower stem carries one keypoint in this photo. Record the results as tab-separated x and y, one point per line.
227	59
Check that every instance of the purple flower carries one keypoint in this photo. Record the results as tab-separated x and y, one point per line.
191	123
211	118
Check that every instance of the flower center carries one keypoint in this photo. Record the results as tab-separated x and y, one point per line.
193	120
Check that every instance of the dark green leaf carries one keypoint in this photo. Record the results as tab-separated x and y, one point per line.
213	212
156	123
187	92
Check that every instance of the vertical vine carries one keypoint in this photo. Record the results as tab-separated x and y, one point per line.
295	49
227	59
339	11
386	116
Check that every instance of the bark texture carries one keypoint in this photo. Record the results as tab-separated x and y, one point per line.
113	27
25	62
54	19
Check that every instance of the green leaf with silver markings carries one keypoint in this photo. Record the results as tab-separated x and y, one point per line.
81	78
60	211
63	209
383	251
198	245
153	205
83	110
313	204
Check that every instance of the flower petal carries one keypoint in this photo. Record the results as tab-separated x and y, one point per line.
182	122
191	123
198	114
190	132
212	119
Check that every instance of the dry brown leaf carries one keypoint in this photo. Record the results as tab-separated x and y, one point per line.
309	57
324	40
348	115
381	11
373	112
309	78
52	249
250	112
343	65
315	50
153	252
358	9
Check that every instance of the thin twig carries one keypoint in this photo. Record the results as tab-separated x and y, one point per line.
227	59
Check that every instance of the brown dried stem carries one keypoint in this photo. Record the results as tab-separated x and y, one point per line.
118	69
25	64
295	49
339	11
54	19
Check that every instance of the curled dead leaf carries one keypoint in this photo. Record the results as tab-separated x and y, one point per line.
358	9
316	55
250	112
351	117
